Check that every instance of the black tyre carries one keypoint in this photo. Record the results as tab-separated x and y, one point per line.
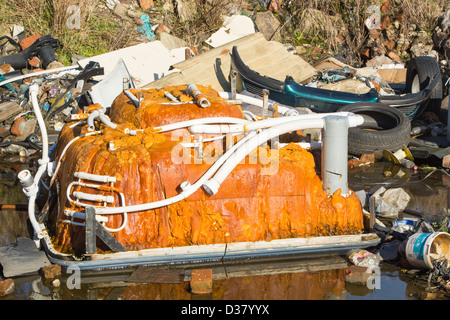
384	128
420	72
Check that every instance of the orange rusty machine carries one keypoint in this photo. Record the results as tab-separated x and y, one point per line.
181	174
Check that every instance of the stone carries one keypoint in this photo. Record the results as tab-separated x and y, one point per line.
186	9
21	129
201	281
54	65
35	62
22	258
354	163
301	50
379	61
446	161
445	24
170	41
51	271
6	287
121	10
268	25
18	126
420	49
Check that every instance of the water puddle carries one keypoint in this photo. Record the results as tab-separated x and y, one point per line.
294	279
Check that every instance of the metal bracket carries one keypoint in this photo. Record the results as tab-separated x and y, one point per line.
94	229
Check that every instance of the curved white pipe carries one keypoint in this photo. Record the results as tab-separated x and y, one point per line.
213	184
188	123
34	91
90	120
36	74
106	120
31	189
188	189
253	125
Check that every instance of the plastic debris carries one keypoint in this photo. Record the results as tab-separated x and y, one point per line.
146	29
363	258
388	203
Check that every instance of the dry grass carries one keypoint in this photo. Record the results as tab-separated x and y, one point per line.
206	17
348	17
99	29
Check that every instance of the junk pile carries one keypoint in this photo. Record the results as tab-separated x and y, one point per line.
419	247
33	60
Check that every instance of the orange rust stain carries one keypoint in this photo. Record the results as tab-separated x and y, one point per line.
251	205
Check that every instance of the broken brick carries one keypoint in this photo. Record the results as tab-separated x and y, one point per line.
6	287
367	157
34	62
25	43
354	163
51	271
201	281
385	23
394	56
18	126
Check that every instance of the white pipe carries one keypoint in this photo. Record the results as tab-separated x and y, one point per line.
94	177
32	190
132	98
90	120
192	90
188	188
106	120
188	123
212	185
35	74
34	91
259	103
253	125
93	197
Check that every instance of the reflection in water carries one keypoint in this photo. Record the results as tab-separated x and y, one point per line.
429	190
13	224
317	279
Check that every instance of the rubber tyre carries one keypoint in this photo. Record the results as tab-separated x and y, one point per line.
384	128
420	71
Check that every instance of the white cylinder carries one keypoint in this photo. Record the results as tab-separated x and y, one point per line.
334	154
26	179
94	177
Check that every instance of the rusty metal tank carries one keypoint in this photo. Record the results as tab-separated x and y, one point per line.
258	201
